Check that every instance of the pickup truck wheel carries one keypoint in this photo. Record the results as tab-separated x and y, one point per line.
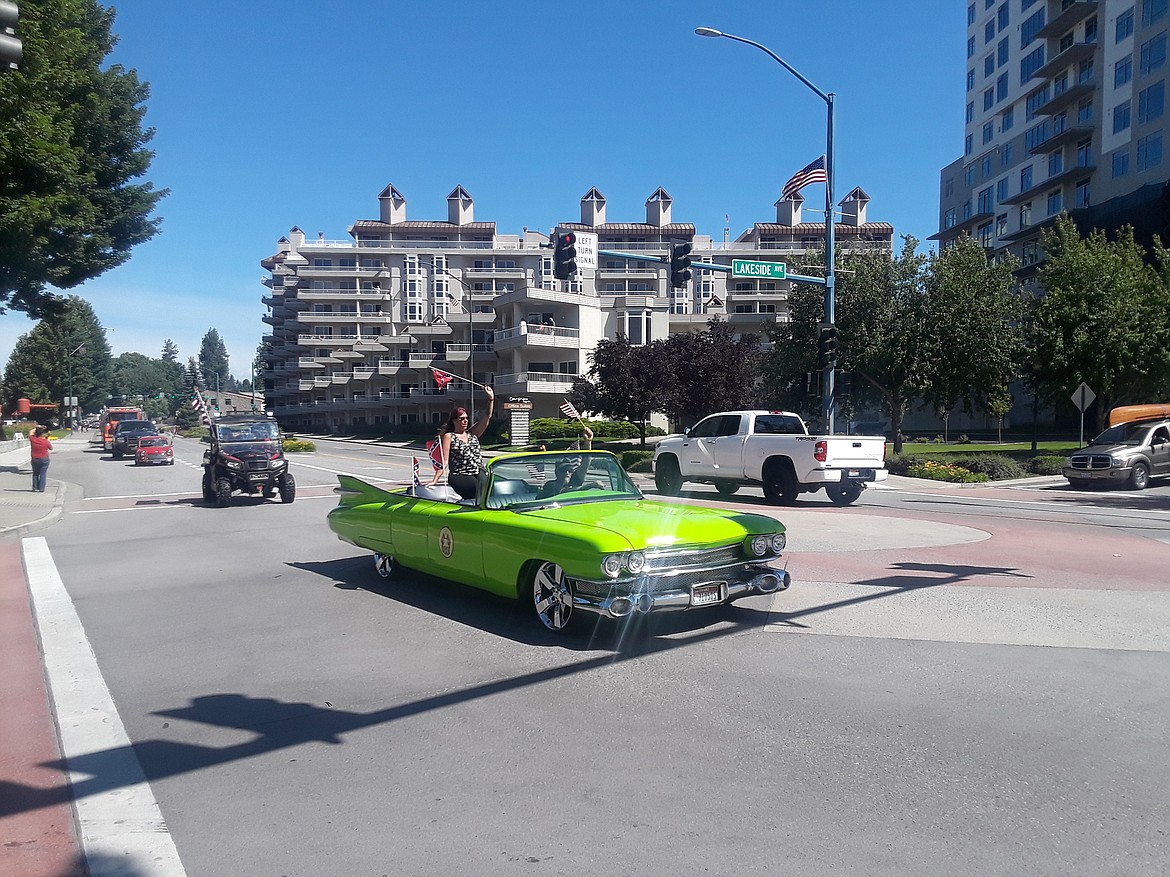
223	493
780	488
552	597
726	488
843	494
667	477
1139	477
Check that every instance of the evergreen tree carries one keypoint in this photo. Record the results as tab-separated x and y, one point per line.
71	143
186	415
213	363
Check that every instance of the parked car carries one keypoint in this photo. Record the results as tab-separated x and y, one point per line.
154	449
569	534
772	449
128	433
1128	454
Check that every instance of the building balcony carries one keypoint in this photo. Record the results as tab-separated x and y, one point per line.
1061	138
1042	188
515	272
640	271
1072	94
363	372
539	295
462	352
340	377
967	226
1074	54
536	336
1062	22
524	383
309	362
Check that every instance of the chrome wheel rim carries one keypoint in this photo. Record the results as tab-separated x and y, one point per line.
552	597
384	564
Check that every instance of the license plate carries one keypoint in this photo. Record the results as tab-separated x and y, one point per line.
257	476
706	594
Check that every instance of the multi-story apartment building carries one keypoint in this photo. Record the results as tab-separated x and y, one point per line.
1066	111
357	325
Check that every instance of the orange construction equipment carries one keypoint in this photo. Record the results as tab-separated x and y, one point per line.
1129	413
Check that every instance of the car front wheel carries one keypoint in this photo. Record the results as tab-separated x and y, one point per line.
726	488
223	493
1139	478
667	477
288	488
552	597
384	565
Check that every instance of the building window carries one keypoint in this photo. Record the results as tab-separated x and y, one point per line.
1031	253
1035	135
1152	54
1151	102
1007	119
1001	87
1066	43
1091	30
989	65
970	47
971	14
989	31
1085	112
988	132
966	210
1006	154
1085	153
988	99
970	79
1153	10
1085	72
1031	27
1121	163
1001	17
1030	63
1055	162
949	187
949	218
1149	152
1083	193
1001	225
1060	85
969	175
986	166
1001	52
1120	117
985	200
1025	178
1124	25
1123	71
983	234
1059	123
968	145
1001	190
970	112
1025	215
1035	100
1055	202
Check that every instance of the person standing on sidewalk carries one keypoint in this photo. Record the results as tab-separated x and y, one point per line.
41	448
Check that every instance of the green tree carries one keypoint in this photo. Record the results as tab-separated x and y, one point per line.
708	371
213	363
625	382
1104	319
66	353
71	145
973	337
186	416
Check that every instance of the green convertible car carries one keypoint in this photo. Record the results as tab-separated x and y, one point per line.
569	532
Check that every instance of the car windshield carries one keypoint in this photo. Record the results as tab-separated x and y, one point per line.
1123	434
264	431
568	477
153	442
135	426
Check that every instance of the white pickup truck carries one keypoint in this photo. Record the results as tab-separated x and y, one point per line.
771	449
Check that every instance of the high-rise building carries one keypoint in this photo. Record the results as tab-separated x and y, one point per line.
358	325
1066	112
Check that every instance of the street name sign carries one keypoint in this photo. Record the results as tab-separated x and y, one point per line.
764	270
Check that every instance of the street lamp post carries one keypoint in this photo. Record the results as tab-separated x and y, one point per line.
70	404
828	405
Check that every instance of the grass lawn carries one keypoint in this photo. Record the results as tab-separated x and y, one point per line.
1010	449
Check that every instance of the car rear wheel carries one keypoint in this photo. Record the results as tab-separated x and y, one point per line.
552	597
384	565
843	494
780	487
667	477
1139	478
223	493
726	488
288	488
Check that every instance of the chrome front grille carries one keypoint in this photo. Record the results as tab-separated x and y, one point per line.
661	561
1090	461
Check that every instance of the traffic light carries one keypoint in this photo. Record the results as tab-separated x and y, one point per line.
680	264
11	48
827	346
565	255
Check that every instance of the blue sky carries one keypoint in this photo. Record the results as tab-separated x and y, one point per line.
275	114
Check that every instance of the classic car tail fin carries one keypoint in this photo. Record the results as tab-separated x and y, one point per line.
354	491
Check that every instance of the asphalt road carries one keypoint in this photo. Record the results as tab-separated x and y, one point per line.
961	682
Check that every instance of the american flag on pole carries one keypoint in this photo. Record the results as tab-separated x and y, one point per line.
441	378
569	411
435	451
814	172
197	402
453	301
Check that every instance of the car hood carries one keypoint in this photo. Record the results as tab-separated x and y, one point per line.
250	450
656	525
1112	450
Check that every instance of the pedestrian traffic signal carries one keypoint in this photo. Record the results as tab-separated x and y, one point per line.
11	48
680	264
827	346
565	255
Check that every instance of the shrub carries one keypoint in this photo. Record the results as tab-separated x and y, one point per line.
641	466
1046	464
542	429
293	446
997	467
899	464
632	458
945	472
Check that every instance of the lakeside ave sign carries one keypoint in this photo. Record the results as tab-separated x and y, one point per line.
762	270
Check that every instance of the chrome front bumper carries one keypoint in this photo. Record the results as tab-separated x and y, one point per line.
664	593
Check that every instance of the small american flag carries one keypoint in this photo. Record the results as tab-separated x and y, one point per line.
569	411
197	402
813	172
453	302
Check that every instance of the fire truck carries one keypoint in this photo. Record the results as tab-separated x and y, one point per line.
109	419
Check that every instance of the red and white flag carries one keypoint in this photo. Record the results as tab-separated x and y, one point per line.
417	479
435	450
441	378
813	172
197	402
569	411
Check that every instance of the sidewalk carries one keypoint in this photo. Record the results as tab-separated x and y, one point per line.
20	508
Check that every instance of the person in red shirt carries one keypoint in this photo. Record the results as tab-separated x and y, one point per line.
41	447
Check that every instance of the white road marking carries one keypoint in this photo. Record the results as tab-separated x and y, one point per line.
122	829
1063	618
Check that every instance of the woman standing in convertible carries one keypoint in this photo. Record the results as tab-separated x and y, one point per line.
462	457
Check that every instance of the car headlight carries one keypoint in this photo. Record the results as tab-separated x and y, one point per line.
778	542
1117	461
635	562
279	464
612	565
759	545
233	464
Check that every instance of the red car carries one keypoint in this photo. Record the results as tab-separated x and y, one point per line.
154	449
